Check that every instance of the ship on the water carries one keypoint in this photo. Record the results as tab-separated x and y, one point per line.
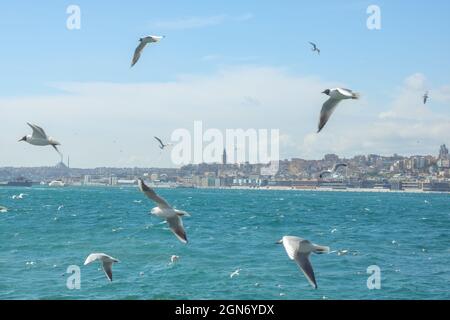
19	182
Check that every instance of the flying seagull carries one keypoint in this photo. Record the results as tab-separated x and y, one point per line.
40	138
333	170
165	211
336	95
299	249
107	262
161	144
235	273
314	47
142	43
425	97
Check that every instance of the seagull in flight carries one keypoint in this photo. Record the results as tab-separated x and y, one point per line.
315	48
165	211
235	273
336	95
161	144
426	97
333	170
18	196
299	250
40	138
107	262
142	43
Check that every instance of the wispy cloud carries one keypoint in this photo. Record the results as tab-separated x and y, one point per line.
199	22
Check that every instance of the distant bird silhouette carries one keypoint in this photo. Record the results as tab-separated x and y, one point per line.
315	48
425	97
162	145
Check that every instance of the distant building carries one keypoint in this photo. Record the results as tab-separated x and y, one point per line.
224	157
443	152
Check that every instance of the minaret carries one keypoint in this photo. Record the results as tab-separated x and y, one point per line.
224	157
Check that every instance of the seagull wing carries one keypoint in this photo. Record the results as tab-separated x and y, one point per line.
345	92
137	52
325	114
150	193
107	267
91	258
160	142
176	225
314	45
56	149
303	262
337	166
38	132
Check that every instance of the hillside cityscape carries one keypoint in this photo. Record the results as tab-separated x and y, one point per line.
421	173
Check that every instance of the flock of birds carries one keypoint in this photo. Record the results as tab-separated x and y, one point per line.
297	249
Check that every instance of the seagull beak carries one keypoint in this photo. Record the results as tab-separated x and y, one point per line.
279	241
23	139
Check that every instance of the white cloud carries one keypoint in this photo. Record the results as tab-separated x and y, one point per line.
113	124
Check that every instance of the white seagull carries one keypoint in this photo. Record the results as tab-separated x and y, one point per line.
314	47
40	138
18	196
3	209
165	211
174	258
143	42
107	262
336	95
235	273
333	170
299	249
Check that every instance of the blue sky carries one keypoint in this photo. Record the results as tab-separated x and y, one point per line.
40	55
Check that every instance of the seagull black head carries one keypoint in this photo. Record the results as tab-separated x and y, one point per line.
327	92
23	139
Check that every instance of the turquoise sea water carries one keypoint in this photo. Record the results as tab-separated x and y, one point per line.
406	235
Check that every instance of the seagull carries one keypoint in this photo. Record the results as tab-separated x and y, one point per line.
425	97
107	262
174	258
165	211
336	95
143	42
235	273
60	207
299	249
18	196
314	47
161	144
333	170
40	138
3	209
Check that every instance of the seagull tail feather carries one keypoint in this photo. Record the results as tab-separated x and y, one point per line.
356	95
